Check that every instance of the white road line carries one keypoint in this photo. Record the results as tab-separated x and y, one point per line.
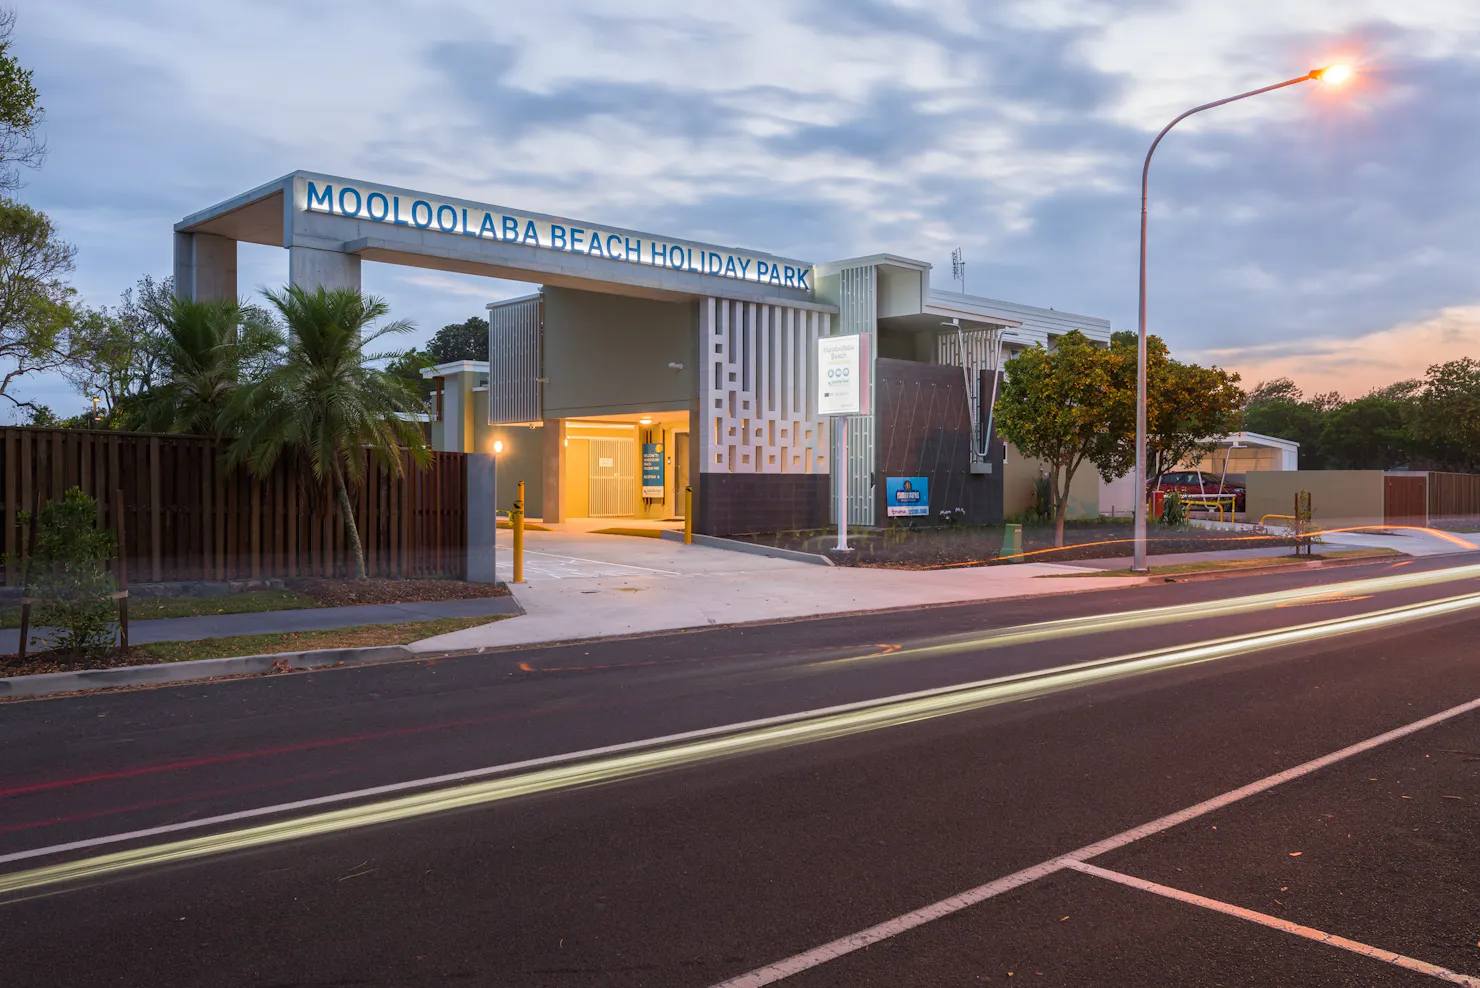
798	963
1283	925
939	701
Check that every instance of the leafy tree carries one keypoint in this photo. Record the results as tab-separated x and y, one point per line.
407	366
202	349
325	404
35	302
67	574
1370	433
1447	416
1188	408
1280	389
1278	408
116	353
460	341
20	112
1059	406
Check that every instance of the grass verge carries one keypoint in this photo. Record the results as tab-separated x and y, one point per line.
220	648
152	608
1225	565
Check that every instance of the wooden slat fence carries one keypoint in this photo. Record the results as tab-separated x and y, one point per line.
188	519
1454	499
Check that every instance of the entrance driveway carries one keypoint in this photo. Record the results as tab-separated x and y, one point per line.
585	585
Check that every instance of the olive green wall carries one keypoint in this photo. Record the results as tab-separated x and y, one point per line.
1338	498
609	354
1019	474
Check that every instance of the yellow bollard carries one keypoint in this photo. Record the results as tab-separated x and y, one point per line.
516	522
688	515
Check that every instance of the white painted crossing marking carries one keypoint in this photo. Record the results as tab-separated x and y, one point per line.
798	963
1275	923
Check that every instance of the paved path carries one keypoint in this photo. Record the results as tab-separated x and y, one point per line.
580	585
305	619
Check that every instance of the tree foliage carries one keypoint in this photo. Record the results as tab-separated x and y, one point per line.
325	404
1059	406
460	341
20	112
36	312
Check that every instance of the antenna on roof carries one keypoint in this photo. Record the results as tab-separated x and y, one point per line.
958	268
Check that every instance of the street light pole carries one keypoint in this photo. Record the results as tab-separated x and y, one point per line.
1335	74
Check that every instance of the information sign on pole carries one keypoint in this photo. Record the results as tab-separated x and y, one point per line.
843	372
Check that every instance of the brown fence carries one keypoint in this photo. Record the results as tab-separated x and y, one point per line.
185	518
1454	499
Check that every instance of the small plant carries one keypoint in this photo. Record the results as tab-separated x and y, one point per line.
67	576
1173	511
1042	507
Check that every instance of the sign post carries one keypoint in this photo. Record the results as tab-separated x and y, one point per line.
843	372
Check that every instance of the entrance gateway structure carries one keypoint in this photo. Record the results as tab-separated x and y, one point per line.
644	363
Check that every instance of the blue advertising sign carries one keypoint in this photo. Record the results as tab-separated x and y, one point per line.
906	497
653	482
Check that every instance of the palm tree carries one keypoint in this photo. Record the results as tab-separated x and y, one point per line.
202	351
325	404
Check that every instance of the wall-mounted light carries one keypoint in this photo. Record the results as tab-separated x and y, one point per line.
498	445
644	421
674	365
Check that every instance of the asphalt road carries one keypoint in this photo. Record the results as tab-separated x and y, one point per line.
730	860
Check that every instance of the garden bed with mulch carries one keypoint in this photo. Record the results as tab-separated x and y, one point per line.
347	593
936	548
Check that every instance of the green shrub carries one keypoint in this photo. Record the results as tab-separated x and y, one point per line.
1042	509
1173	511
67	575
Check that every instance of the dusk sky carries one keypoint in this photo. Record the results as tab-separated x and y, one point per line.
1328	234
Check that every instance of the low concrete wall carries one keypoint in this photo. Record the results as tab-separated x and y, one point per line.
1339	498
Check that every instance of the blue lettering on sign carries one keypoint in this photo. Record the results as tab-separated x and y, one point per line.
730	270
557	237
659	255
790	273
689	253
530	233
745	267
489	230
576	236
326	200
802	278
347	191
634	249
448	227
385	206
511	228
418	223
775	278
611	251
762	269
396	212
595	246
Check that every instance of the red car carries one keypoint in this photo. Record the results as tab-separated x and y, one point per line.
1195	485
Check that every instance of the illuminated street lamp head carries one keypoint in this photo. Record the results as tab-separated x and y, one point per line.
1333	75
498	445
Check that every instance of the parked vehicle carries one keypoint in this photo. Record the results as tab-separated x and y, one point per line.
1195	485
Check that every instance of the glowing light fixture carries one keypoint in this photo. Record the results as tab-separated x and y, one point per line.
644	421
1333	75
498	445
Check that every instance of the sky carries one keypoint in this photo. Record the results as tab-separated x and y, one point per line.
1318	232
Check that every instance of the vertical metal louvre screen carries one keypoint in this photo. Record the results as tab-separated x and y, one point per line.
515	361
858	313
612	493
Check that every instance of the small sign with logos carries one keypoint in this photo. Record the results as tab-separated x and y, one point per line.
907	497
843	368
653	484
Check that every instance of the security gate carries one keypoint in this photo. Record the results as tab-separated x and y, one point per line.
612	493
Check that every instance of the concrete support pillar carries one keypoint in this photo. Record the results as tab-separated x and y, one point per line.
205	266
312	268
482	520
553	471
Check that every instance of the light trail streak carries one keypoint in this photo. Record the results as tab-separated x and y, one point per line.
730	741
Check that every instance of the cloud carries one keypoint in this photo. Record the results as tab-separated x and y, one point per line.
818	129
1357	365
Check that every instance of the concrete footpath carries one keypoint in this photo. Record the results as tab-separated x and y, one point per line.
583	585
305	619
